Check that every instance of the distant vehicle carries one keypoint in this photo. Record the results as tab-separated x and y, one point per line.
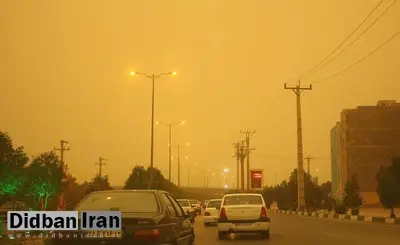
205	203
243	213
196	206
148	217
211	212
187	208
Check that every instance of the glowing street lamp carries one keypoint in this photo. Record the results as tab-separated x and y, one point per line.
170	125
153	77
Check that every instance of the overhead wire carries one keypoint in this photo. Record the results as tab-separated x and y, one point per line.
341	44
356	39
360	60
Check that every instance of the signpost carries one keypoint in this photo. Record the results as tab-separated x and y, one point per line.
256	179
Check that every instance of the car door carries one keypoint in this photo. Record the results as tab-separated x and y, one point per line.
177	226
187	229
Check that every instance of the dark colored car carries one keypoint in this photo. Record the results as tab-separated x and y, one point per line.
149	217
196	206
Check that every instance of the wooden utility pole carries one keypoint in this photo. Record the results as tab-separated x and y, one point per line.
242	156
62	149
101	163
248	134
300	170
308	163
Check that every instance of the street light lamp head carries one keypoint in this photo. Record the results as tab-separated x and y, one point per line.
187	143
132	73
186	158
182	122
157	122
173	73
226	170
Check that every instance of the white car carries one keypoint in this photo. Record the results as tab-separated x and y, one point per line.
187	208
243	213
211	212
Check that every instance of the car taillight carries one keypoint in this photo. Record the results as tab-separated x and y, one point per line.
263	214
147	234
222	214
207	214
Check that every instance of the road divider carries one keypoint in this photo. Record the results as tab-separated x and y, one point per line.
361	218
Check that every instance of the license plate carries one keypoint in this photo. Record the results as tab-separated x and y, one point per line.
104	234
243	225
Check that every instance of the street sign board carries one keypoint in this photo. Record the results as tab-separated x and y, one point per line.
256	178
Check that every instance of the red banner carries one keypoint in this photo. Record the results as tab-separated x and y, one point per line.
256	177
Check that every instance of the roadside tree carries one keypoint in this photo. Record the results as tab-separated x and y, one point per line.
352	198
388	186
45	178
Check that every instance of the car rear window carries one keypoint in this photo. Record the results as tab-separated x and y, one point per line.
130	202
242	200
193	202
214	204
184	203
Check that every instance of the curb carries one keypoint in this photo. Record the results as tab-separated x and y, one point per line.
369	219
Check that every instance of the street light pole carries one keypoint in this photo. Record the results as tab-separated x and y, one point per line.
170	125
153	78
179	163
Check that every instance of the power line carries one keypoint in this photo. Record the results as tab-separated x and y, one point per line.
357	38
359	61
341	44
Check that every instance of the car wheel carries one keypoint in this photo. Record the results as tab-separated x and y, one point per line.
265	234
222	235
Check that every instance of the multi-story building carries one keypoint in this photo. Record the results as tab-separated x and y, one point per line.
368	137
335	176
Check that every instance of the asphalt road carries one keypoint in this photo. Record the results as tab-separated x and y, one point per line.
300	230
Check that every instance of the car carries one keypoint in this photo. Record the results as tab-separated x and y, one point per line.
243	213
187	208
205	204
148	217
211	212
196	206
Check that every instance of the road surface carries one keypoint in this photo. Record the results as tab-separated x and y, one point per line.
300	230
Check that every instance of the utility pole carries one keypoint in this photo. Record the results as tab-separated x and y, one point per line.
62	149
101	163
237	156
179	167
300	170
308	163
242	155
248	134
179	163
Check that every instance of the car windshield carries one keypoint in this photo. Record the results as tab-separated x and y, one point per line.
130	202
214	204
184	203
243	200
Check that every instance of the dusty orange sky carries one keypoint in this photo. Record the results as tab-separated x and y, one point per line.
64	69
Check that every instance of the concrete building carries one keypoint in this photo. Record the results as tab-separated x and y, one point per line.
335	176
368	137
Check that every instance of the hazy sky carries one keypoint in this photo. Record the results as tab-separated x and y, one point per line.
64	69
